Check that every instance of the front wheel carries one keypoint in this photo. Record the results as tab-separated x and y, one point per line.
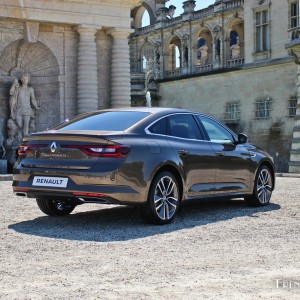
263	188
163	200
55	208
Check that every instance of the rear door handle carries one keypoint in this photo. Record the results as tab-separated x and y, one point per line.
220	154
183	152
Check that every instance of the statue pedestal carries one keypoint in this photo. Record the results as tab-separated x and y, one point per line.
11	155
3	166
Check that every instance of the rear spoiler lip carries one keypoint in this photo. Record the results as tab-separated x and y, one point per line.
78	136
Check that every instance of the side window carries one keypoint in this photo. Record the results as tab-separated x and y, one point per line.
160	127
215	131
183	126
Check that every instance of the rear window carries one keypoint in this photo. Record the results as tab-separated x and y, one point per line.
104	121
160	127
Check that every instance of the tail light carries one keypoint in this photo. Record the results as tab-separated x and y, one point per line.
118	151
24	149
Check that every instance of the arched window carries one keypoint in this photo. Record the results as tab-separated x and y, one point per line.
203	44
145	19
174	54
235	50
142	17
234	45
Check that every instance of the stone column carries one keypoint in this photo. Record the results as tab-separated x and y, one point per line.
120	68
185	56
87	84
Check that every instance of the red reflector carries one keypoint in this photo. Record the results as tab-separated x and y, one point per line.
18	189
80	194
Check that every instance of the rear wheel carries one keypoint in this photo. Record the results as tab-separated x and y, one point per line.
163	200
55	208
263	188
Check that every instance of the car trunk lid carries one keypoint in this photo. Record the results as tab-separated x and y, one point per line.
65	150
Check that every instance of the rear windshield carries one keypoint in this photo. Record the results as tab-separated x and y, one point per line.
104	121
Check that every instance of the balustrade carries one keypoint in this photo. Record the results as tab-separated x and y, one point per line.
236	62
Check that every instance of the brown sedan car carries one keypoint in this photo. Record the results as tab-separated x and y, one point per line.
153	158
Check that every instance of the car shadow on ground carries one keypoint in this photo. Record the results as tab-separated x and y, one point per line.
123	223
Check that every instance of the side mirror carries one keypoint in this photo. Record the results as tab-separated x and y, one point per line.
242	138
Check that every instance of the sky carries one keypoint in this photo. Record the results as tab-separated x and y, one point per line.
179	10
178	3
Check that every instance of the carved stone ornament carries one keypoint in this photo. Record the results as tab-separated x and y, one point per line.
31	32
185	40
262	3
156	46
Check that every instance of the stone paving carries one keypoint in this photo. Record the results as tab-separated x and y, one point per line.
212	250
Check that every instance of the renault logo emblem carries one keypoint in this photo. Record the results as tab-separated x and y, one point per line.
53	147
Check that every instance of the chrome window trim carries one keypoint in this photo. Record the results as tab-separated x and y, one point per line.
234	135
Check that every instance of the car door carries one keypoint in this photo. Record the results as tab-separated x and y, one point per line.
233	162
195	154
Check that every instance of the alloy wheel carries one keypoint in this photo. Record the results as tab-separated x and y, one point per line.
264	186
166	198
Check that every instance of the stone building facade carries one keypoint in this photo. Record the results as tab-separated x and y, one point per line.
76	53
234	59
231	60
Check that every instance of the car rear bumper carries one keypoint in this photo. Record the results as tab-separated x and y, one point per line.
106	191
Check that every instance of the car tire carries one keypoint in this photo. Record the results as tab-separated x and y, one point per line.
55	208
263	188
163	200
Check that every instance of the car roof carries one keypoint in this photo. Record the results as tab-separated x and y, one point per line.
152	110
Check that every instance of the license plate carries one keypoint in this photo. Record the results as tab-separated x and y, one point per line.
50	181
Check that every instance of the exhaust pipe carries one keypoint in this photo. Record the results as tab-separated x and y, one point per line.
21	194
91	200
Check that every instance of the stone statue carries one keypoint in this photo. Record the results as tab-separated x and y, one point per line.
13	98
148	99
14	134
171	11
202	51
235	49
22	103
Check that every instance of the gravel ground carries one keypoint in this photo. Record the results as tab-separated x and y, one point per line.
213	250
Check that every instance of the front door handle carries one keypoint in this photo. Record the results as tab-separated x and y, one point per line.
183	152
